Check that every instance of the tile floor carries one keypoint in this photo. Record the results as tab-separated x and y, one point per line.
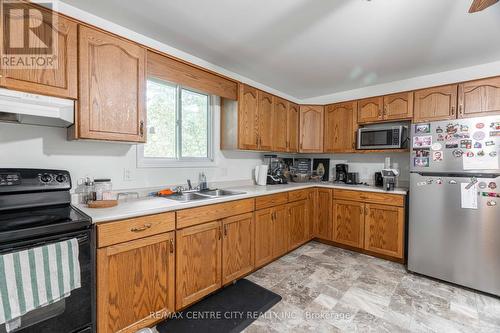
327	289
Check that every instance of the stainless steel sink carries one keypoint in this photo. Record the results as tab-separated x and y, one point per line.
220	193
186	197
202	195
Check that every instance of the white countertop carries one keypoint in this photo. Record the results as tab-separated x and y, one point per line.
155	205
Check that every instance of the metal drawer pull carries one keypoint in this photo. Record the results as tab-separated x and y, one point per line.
144	227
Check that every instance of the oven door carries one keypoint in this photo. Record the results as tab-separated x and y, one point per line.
379	138
71	314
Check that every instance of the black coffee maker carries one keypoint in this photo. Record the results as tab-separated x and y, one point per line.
341	172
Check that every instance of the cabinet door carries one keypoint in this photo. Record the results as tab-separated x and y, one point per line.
437	103
297	224
311	129
248	117
339	127
398	106
479	98
311	210
263	236
198	270
293	128
112	88
134	280
370	110
324	223
280	230
266	107
237	247
57	80
279	125
348	222
384	230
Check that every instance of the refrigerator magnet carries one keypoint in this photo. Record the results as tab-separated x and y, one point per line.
467	144
489	143
440	137
437	156
451	128
495	133
457	153
439	129
422	141
492	153
495	125
479	135
482	185
480	153
422	152
451	144
464	128
421	162
469	154
492	185
479	125
436	146
478	145
422	128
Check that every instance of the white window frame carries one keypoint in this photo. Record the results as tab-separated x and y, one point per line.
179	161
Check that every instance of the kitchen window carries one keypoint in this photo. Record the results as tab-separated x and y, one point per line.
179	127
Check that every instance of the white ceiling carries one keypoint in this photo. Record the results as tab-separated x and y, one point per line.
308	48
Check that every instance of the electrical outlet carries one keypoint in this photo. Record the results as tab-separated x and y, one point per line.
128	175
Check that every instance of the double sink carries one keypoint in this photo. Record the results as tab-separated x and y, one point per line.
202	195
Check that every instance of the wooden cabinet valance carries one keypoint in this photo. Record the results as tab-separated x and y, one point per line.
168	69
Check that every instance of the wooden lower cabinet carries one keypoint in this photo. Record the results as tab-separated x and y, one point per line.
348	223
264	236
280	230
135	279
199	262
298	231
237	247
384	229
323	223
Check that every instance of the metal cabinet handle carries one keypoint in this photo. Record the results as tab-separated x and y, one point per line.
171	245
220	232
141	128
452	110
144	227
460	111
225	230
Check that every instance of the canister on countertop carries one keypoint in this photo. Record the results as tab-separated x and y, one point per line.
102	189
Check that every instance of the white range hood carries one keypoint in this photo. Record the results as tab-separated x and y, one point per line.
25	108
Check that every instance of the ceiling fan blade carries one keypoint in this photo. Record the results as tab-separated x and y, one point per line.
478	5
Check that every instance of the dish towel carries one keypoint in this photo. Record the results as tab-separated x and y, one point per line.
37	277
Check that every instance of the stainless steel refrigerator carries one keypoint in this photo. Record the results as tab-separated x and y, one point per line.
454	218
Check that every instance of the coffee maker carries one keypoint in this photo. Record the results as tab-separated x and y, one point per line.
277	170
341	173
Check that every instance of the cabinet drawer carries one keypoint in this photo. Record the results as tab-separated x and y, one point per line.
372	197
271	200
194	216
298	195
135	228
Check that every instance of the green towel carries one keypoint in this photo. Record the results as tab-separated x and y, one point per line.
37	277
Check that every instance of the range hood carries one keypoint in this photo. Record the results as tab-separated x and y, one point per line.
25	108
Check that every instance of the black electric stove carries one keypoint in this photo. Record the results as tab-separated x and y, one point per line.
35	209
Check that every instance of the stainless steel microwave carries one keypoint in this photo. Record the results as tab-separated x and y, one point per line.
382	137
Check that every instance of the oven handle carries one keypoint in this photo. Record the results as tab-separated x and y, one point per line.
82	238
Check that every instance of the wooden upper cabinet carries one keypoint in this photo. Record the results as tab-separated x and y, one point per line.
439	103
323	222
384	229
398	106
298	232
266	107
348	223
198	262
61	80
370	110
479	98
340	120
293	128
237	247
112	88
279	125
311	129
248	117
135	279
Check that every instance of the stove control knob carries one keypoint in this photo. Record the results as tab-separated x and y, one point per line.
46	178
60	178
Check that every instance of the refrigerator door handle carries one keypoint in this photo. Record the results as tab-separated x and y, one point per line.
472	182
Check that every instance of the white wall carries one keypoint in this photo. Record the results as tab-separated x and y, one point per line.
26	146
